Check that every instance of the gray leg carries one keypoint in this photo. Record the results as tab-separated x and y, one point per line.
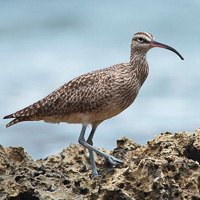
89	141
111	159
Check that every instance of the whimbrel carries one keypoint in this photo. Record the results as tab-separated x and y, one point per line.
96	96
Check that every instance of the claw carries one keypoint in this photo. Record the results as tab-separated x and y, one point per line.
114	161
94	175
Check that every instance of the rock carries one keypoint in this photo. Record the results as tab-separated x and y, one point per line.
166	168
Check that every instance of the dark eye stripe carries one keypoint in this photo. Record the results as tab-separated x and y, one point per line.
143	40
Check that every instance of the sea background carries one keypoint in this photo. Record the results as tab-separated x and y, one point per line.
44	44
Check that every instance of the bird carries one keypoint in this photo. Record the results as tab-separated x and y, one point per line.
96	96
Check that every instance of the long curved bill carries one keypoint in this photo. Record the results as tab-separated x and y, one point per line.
157	44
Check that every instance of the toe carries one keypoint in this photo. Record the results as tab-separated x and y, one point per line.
95	175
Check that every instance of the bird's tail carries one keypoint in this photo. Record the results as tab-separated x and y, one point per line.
14	121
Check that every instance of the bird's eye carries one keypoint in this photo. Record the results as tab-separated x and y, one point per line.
140	39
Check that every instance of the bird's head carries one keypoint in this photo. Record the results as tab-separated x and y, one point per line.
143	41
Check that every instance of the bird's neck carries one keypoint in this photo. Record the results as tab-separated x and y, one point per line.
138	59
139	65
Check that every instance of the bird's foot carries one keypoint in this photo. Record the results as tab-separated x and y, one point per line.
114	161
94	175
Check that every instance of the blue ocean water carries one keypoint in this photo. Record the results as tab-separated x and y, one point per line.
44	44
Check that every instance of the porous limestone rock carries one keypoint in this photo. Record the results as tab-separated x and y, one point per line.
167	168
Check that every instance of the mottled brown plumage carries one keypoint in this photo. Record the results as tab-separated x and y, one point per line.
96	96
103	93
91	97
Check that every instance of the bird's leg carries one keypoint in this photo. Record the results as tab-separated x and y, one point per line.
89	141
111	159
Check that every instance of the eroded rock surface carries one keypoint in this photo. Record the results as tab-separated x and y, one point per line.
166	168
